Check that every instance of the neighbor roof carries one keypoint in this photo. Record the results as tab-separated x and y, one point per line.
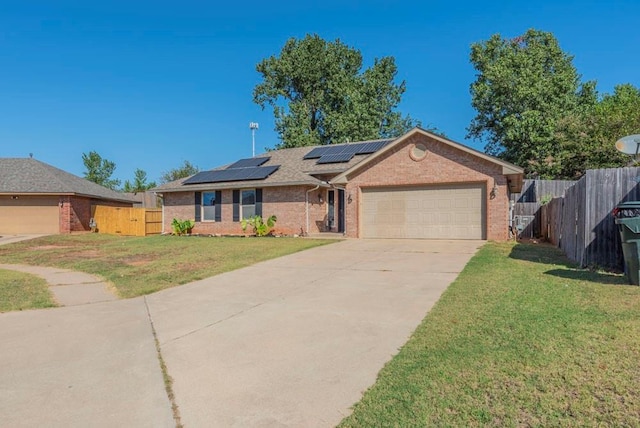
30	176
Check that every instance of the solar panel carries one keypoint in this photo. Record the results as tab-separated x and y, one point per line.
372	147
355	148
336	158
333	150
315	153
260	173
248	163
234	174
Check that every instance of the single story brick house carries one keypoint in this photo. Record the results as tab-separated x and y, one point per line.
420	185
38	198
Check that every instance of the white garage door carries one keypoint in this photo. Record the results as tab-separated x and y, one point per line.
29	214
432	212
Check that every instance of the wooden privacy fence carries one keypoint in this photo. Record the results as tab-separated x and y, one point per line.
127	221
527	203
580	222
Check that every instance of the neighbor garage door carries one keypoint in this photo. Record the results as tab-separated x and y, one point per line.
432	212
29	214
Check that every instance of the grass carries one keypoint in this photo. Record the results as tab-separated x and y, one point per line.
521	338
20	291
139	266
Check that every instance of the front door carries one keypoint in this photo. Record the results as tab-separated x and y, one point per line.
331	209
341	205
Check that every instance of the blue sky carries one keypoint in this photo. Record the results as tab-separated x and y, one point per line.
151	84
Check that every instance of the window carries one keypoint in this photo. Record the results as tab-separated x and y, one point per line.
248	203
209	206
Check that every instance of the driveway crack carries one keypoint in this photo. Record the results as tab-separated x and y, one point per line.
220	321
168	380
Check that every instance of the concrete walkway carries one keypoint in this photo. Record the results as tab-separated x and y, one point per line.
288	342
10	239
69	288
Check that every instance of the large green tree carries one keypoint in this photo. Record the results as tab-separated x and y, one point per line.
524	86
99	170
185	170
139	183
587	137
319	94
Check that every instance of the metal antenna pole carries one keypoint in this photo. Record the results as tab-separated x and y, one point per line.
253	126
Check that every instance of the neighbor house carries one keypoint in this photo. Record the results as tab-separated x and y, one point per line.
420	185
38	198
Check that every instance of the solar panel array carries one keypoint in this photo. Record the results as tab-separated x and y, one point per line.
335	154
340	157
248	163
233	174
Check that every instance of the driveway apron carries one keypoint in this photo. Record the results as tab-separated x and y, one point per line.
293	341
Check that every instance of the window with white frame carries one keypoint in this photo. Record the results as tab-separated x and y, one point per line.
248	203
209	206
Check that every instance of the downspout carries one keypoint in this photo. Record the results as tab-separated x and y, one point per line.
306	206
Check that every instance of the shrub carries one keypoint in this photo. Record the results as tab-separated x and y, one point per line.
260	227
182	227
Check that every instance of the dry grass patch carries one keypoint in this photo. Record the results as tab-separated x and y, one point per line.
137	266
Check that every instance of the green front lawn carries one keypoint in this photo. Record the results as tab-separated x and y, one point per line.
521	338
137	266
19	291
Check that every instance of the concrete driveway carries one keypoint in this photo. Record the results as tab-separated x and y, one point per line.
288	342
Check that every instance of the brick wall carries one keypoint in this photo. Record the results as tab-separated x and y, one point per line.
443	164
65	214
80	214
286	203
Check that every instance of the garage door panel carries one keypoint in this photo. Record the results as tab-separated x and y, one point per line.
430	212
29	215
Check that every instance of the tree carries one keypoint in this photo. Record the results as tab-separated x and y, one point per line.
139	183
523	88
587	137
99	170
320	96
187	169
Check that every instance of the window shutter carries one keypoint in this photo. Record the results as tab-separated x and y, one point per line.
259	202
236	205
218	205
198	201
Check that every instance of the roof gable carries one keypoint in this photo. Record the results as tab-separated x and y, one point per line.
507	168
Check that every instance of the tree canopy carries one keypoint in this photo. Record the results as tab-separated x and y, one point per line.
139	184
524	86
319	94
99	170
185	170
533	110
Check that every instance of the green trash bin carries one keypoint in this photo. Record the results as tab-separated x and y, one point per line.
628	220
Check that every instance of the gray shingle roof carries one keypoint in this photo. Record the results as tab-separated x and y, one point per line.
293	171
26	175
